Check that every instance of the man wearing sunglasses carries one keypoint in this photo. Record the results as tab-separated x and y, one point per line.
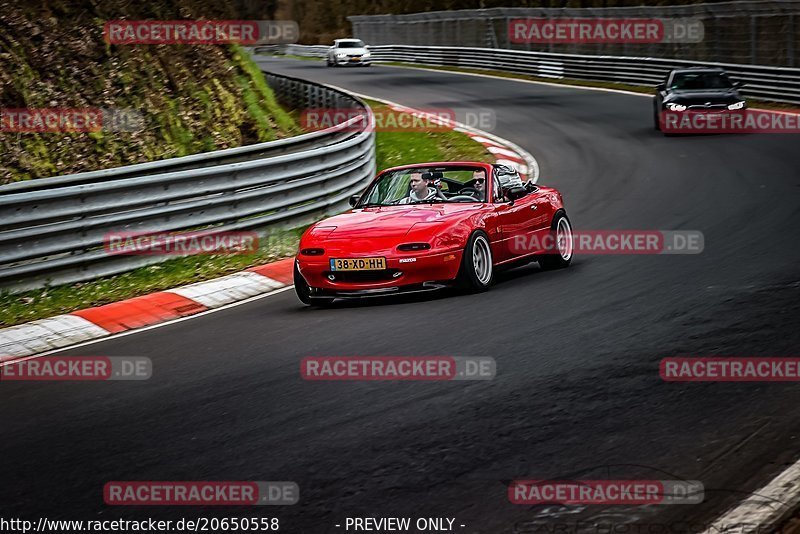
479	182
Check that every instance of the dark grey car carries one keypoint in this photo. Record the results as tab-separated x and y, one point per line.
698	89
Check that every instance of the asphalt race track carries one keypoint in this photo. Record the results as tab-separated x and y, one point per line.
577	392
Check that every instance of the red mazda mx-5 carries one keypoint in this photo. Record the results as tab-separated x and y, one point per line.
424	226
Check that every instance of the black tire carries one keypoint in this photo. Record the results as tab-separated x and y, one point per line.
304	292
557	260
656	121
473	277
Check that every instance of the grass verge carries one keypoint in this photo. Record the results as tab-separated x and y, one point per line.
405	147
392	148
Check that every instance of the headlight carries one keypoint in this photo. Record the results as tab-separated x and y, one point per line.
676	107
737	105
366	54
340	54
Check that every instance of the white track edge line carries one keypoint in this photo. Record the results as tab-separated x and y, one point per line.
551	84
150	327
521	80
784	488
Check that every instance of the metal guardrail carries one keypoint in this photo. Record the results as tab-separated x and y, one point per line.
777	84
53	230
757	32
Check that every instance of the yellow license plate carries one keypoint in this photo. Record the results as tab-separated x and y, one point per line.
358	264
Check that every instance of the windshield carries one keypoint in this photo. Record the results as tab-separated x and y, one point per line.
351	44
694	81
427	185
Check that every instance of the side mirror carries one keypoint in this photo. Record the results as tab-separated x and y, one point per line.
354	200
516	192
661	87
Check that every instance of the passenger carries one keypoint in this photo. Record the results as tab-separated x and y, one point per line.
419	189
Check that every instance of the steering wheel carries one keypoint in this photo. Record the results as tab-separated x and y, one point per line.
469	191
463	197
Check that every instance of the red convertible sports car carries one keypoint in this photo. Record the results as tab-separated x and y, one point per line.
426	226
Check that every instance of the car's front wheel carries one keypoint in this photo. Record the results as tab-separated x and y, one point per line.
304	291
561	232
656	120
477	268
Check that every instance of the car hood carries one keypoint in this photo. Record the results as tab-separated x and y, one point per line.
723	96
393	221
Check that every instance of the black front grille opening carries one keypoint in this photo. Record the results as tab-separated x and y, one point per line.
381	275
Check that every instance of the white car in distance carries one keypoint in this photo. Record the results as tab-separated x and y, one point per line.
348	52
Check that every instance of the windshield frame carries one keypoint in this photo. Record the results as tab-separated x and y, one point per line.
350	44
704	73
444	167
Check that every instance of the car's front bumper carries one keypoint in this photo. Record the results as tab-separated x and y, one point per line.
693	121
410	272
348	61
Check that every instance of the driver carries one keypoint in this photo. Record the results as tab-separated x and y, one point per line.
419	189
479	181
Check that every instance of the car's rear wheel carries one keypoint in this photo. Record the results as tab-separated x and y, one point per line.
304	291
561	232
477	268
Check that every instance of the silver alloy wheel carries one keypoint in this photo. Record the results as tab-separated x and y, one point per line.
482	260
564	238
